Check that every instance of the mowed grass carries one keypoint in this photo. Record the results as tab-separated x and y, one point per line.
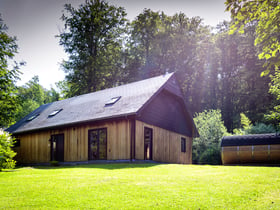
140	186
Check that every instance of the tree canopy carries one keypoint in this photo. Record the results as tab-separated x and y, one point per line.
216	70
8	75
32	95
266	15
93	39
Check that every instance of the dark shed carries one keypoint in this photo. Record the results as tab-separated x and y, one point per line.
258	148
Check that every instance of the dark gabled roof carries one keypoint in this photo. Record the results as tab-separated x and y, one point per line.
94	106
247	140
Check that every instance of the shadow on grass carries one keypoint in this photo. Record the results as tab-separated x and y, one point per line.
95	165
7	170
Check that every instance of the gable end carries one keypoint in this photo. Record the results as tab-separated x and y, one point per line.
167	111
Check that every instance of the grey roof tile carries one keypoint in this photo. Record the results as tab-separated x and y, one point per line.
91	106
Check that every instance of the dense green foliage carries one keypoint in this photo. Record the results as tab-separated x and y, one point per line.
6	152
8	76
265	14
32	95
141	186
215	71
161	43
248	128
206	148
274	115
92	38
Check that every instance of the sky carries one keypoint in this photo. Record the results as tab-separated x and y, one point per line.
35	23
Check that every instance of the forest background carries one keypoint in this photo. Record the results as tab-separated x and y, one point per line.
218	69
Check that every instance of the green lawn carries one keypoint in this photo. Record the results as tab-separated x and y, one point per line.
141	186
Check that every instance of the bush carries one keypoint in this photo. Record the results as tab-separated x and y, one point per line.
211	155
6	152
260	128
206	148
248	128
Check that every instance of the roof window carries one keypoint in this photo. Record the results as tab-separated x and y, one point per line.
55	112
33	117
112	101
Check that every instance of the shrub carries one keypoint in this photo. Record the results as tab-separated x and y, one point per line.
6	152
206	148
248	128
261	128
212	155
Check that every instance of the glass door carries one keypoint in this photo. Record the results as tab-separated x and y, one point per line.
97	144
148	143
57	147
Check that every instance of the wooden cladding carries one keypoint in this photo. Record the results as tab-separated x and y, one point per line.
251	154
166	145
112	140
36	147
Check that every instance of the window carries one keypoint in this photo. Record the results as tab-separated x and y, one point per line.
148	143
112	101
32	117
183	144
97	144
55	112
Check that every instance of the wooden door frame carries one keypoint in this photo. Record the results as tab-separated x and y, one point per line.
89	148
52	156
151	145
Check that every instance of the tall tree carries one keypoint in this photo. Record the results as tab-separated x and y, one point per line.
266	13
171	44
93	38
145	30
8	76
231	82
32	95
229	73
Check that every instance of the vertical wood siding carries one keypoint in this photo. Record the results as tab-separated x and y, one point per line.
166	145
251	154
35	147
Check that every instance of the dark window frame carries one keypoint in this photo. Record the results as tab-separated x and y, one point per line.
89	148
32	117
148	144
112	101
183	144
57	152
54	113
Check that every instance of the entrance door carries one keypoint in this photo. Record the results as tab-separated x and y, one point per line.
148	143
57	147
97	144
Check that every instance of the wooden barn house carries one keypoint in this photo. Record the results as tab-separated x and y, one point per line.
247	149
144	120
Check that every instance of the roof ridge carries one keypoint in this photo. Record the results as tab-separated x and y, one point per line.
91	106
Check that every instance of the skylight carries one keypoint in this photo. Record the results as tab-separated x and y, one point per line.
112	101
55	112
32	117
